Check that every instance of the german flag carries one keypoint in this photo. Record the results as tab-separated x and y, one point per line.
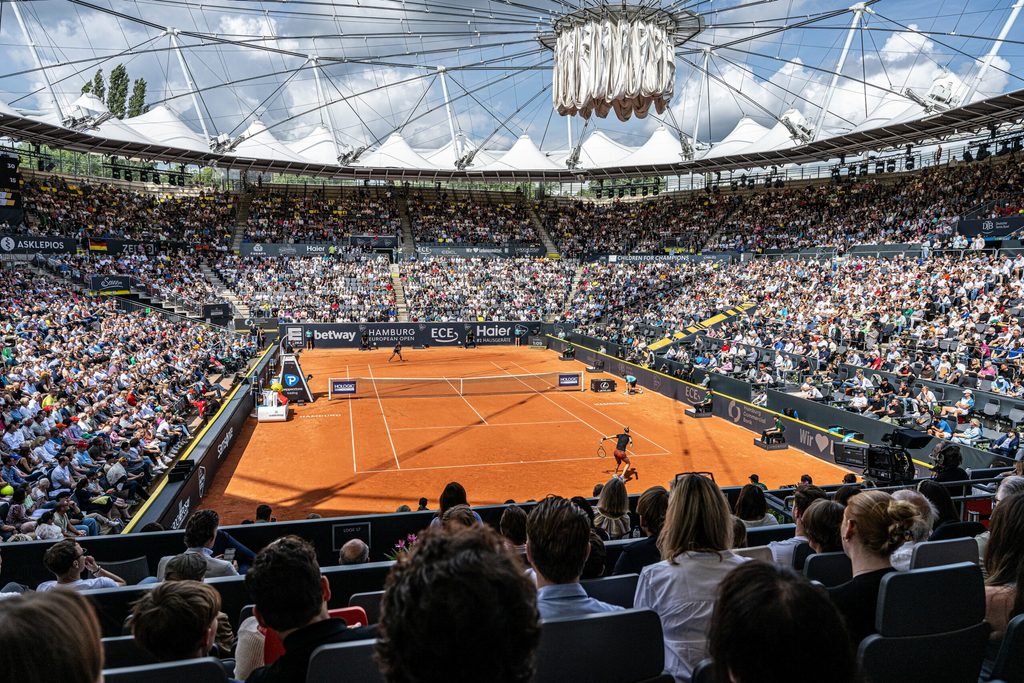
97	245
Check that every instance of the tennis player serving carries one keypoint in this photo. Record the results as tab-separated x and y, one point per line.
622	442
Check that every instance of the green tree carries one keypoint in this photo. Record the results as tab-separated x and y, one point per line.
137	104
99	88
117	93
87	88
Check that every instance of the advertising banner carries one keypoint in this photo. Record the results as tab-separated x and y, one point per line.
485	251
348	335
110	285
374	241
317	248
33	244
991	228
649	258
217	313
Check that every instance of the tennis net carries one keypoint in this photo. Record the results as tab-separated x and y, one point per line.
429	387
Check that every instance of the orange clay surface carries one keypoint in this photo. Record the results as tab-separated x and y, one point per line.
370	454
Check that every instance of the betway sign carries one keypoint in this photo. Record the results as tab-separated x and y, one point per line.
349	335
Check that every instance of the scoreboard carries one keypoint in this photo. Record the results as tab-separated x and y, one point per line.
10	189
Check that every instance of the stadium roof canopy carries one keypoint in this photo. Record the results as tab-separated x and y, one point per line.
547	90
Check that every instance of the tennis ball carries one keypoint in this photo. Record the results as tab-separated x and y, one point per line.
7	491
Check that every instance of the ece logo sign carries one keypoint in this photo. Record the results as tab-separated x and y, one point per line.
444	335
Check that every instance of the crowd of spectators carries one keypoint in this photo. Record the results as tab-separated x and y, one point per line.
55	206
449	289
94	403
489	592
293	216
344	288
451	220
175	276
683	222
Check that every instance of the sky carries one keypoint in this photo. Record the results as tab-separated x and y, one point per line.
379	62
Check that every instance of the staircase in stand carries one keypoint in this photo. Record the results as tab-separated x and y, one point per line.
400	305
545	236
225	293
408	242
553	317
241	218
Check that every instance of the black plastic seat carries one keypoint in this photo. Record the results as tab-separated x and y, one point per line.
830	569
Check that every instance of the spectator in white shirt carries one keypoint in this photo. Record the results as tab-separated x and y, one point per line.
782	551
682	588
67	560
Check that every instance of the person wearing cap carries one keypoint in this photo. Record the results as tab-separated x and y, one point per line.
859	402
756	481
962	407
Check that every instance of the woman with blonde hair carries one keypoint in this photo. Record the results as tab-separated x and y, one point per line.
874	525
694	544
613	509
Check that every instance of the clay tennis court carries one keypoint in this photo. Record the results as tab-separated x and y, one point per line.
507	437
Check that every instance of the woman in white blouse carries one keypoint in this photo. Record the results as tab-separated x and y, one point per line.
694	544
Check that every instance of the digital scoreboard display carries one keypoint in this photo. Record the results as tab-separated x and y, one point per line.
10	189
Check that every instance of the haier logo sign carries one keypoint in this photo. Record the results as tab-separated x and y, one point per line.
291	380
294	334
568	380
444	335
493	331
335	335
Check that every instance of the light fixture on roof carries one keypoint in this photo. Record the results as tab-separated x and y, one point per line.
617	57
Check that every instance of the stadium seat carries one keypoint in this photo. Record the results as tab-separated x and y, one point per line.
273	648
766	534
704	672
830	569
202	670
760	552
1009	665
132	571
940	553
370	602
615	590
800	555
931	626
957	530
123	651
344	661
613	647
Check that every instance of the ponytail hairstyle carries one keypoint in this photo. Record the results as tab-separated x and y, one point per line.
883	524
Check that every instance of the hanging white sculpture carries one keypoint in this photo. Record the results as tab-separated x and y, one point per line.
617	60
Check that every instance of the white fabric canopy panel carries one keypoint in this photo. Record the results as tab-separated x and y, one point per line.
599	150
446	157
259	142
317	146
161	124
780	136
395	152
662	147
746	132
524	155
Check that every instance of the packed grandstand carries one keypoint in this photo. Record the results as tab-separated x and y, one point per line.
225	354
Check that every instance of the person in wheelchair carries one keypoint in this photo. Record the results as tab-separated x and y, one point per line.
774	434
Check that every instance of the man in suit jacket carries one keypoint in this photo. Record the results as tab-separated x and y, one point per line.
200	533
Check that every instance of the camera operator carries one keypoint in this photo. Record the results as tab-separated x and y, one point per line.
946	460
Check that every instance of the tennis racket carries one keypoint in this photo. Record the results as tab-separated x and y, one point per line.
601	452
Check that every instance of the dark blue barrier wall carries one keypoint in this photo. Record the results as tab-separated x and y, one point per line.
348	335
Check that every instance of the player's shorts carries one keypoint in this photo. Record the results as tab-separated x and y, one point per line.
620	456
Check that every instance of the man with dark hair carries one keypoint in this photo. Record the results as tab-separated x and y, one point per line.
803	496
651	507
290	596
458	608
557	547
264	514
177	620
200	534
67	560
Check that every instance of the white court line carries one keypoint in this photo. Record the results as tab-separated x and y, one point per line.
512	462
563	408
604	415
352	430
489	424
463	397
307	417
386	427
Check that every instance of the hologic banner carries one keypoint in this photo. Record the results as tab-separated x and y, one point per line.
109	285
349	335
30	244
487	251
991	228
